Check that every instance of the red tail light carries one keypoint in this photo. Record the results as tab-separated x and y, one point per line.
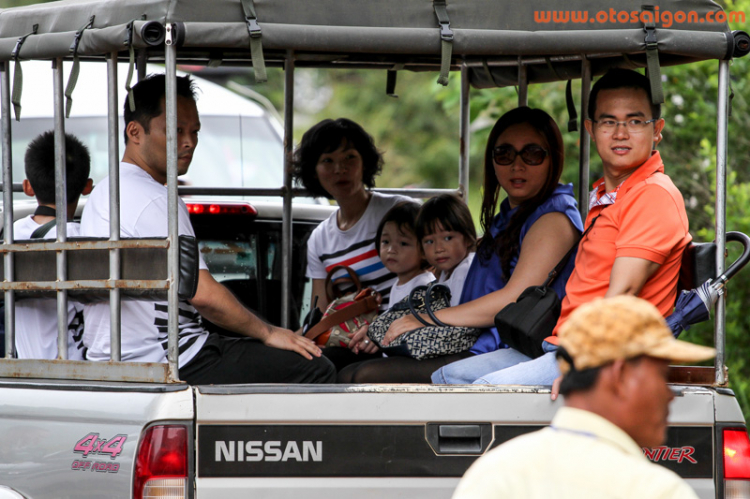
162	463
222	209
736	463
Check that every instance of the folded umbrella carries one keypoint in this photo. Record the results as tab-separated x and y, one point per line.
694	306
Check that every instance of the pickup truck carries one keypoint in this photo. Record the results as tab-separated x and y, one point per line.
73	438
117	429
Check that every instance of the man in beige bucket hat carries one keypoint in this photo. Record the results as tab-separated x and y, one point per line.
614	356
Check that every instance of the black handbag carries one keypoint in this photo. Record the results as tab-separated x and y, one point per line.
525	324
433	340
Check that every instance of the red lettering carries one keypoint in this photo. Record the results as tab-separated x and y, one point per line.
583	16
561	16
544	16
612	15
687	453
674	454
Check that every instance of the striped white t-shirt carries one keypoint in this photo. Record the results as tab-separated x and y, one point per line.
355	247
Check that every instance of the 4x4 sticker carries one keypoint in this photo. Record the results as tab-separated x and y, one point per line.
91	445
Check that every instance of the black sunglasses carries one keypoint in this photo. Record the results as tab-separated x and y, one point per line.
531	154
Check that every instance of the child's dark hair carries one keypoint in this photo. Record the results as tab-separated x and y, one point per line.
404	215
148	94
449	212
39	163
325	137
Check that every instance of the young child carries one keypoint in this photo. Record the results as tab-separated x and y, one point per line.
36	318
400	252
447	237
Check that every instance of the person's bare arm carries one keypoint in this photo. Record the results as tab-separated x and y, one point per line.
543	247
217	304
628	275
319	290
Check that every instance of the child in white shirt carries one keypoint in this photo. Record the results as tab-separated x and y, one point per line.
448	239
400	251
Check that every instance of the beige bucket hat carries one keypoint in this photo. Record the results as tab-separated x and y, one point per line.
622	327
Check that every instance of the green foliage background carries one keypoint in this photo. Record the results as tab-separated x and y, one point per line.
418	132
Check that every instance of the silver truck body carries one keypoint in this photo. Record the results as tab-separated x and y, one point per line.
280	441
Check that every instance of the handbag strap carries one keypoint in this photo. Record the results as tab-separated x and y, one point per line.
428	302
359	307
414	311
559	267
353	278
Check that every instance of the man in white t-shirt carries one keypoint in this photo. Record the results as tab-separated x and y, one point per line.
36	318
278	355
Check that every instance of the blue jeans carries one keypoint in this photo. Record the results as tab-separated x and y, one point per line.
501	367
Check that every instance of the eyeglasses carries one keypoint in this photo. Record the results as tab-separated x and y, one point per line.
632	126
531	154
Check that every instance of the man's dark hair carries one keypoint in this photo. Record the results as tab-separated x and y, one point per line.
585	379
39	164
617	78
579	381
148	94
325	137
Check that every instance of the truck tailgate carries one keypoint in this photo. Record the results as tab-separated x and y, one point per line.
390	440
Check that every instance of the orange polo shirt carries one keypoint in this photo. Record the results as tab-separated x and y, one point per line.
647	220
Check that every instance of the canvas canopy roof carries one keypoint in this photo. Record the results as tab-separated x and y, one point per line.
487	35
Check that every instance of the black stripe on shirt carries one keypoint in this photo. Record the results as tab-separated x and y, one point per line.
351	248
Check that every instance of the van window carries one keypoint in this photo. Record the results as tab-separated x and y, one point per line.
233	151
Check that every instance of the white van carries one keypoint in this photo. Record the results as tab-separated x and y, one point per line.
240	142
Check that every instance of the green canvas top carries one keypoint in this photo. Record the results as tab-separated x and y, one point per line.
488	35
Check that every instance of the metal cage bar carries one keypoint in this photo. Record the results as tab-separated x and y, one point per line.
722	118
10	308
523	83
115	305
170	50
61	204
286	222
464	134
585	149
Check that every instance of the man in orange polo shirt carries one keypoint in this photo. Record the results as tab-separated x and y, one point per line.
636	244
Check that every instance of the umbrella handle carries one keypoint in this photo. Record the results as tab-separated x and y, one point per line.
740	263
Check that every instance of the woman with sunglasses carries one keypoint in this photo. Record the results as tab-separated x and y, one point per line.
537	224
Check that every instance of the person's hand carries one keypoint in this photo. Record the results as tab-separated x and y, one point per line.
556	388
360	343
285	339
400	326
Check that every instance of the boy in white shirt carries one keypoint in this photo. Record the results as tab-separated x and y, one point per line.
36	318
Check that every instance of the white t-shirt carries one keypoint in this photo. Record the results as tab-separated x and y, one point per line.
36	318
355	247
143	213
456	281
401	291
